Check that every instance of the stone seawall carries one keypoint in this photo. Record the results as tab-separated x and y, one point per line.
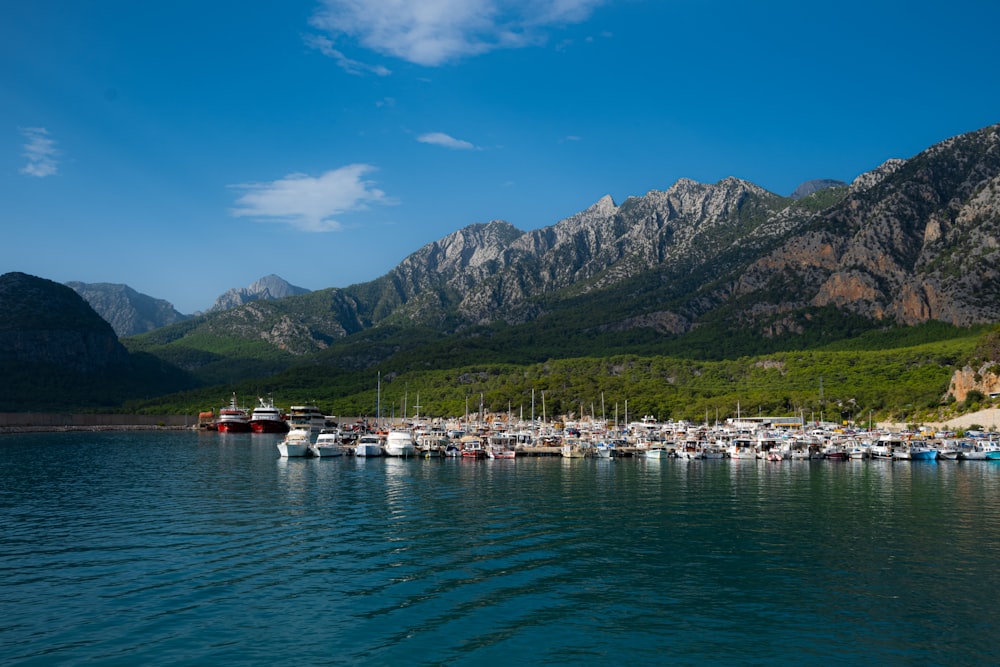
22	422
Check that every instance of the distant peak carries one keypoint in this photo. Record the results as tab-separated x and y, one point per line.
815	185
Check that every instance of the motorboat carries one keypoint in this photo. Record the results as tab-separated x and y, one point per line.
922	452
368	446
296	443
328	444
399	442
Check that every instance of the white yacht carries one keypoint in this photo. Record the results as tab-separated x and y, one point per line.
306	416
328	444
368	445
296	443
399	442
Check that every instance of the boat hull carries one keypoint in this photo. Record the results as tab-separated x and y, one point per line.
233	427
368	450
268	426
292	450
326	451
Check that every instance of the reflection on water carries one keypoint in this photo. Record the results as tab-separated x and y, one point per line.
165	548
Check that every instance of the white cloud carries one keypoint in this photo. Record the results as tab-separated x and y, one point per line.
325	46
311	203
442	139
40	151
433	32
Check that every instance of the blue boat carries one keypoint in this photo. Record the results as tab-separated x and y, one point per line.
923	453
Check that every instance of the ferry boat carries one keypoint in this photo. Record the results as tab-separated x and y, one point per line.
233	419
266	418
306	416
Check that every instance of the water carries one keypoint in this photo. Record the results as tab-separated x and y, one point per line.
187	548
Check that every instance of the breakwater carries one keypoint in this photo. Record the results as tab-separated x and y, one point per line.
26	422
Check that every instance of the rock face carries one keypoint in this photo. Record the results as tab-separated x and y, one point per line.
128	312
913	241
48	323
985	380
268	287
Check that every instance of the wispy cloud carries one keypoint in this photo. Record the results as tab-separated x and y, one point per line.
40	151
310	203
325	46
433	32
448	141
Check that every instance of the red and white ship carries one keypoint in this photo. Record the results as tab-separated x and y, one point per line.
233	419
266	418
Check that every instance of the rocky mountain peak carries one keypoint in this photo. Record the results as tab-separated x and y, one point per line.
268	287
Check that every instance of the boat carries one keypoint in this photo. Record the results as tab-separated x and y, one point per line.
572	450
922	452
368	446
901	453
306	416
266	418
712	451
774	454
656	453
328	444
472	448
602	450
295	443
742	449
399	442
835	452
858	450
233	419
431	444
948	451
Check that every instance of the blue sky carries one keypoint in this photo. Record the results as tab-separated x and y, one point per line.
185	148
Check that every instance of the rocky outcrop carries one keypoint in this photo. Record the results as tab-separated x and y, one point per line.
985	379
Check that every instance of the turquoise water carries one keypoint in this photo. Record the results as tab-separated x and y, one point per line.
195	549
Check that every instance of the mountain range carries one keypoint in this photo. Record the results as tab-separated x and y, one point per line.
711	270
131	313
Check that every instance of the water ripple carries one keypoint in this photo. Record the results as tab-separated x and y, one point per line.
186	548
